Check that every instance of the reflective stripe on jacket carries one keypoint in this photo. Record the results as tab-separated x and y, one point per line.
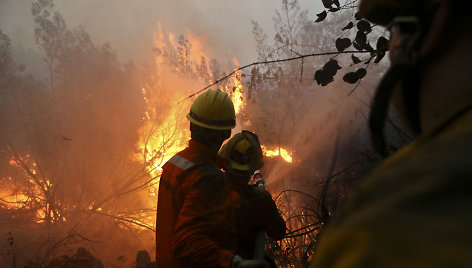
195	212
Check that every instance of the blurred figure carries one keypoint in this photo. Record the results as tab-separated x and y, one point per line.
257	211
143	260
415	210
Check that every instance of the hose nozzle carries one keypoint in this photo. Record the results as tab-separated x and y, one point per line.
260	183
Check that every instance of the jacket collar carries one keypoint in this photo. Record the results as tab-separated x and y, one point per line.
206	153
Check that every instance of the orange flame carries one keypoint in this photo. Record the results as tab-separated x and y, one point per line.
161	140
158	143
236	92
13	197
165	129
274	152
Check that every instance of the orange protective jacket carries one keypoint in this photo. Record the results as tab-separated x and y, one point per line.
195	212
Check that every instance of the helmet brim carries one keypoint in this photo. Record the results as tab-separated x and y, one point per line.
196	122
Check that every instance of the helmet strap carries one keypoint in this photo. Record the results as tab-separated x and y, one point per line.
380	105
404	69
410	94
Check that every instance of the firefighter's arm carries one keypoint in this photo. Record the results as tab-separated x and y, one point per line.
273	222
201	212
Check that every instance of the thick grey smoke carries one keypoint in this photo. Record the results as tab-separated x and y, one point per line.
129	25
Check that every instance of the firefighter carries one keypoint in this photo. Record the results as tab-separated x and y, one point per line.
415	209
195	212
258	210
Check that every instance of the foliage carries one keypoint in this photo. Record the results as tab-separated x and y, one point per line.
5	54
361	42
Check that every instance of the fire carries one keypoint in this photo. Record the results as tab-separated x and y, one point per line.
165	129
236	91
163	136
10	198
273	152
160	140
198	47
163	133
31	195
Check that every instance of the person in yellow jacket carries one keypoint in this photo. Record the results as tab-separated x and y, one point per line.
416	209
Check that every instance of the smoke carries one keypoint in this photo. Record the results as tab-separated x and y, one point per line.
81	137
83	141
287	109
129	25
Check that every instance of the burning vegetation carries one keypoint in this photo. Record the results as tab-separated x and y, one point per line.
82	150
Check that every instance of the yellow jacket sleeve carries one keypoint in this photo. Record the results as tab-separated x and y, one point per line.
414	211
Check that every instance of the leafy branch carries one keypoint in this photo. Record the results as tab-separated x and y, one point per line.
300	57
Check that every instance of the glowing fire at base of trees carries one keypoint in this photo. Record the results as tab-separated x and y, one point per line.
32	195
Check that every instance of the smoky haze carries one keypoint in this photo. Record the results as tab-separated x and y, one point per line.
84	139
129	25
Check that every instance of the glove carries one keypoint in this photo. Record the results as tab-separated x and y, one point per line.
239	262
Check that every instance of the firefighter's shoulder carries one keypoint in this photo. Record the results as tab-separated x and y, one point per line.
209	176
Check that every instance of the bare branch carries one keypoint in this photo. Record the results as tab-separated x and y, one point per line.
126	220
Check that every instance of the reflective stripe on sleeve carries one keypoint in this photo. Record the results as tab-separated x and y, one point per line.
181	162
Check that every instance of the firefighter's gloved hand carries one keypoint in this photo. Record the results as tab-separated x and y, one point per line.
239	262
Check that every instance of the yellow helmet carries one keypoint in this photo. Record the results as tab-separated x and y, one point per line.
243	153
213	109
